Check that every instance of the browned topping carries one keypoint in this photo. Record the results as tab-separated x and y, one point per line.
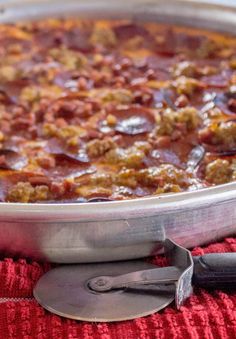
220	171
25	192
187	86
96	147
170	122
114	110
222	134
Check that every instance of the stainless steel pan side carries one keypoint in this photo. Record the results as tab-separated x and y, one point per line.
203	13
118	230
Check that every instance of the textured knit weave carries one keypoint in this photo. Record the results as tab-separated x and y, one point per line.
205	315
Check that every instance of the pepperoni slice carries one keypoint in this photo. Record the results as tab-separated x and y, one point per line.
224	102
62	155
179	42
11	160
166	156
10	90
79	158
5	98
192	42
78	40
128	31
74	39
134	121
215	81
62	78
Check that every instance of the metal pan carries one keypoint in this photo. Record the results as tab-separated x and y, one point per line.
108	231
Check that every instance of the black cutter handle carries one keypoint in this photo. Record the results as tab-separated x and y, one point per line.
215	270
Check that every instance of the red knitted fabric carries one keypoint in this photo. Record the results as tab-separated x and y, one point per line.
205	315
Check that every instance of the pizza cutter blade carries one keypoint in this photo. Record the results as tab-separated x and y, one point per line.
127	290
65	291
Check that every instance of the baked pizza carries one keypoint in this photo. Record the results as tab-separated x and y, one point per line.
113	110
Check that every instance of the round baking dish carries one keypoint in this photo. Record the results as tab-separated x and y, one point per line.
119	230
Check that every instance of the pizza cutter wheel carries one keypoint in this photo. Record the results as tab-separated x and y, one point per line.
65	291
126	290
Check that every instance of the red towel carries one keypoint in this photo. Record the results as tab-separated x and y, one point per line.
205	315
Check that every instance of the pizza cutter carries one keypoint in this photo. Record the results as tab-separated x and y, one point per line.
126	290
